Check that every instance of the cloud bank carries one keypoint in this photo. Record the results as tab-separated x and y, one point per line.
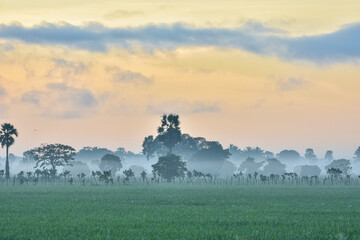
341	45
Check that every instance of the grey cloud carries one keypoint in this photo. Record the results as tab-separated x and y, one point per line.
338	46
67	69
61	101
182	107
31	97
126	76
3	91
290	84
77	96
131	77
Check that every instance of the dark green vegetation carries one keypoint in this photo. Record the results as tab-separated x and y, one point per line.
179	212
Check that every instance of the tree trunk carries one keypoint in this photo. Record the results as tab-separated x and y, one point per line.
7	170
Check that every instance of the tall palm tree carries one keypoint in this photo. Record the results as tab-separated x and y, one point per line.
7	132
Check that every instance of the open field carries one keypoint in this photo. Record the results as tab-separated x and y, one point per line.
179	212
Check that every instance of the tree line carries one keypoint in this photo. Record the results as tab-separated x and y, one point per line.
176	153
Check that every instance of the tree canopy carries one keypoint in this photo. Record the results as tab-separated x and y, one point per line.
50	156
169	131
110	162
169	167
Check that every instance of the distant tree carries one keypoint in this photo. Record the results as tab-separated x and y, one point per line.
210	159
227	169
105	176
88	154
274	166
123	154
169	167
143	175
334	172
7	133
329	155
188	146
249	166
169	131
255	152
308	170
110	162
150	146
78	167
310	155
343	164
357	154
28	157
50	156
128	174
269	155
137	169
288	156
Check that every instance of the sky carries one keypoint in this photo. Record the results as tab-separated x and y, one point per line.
270	73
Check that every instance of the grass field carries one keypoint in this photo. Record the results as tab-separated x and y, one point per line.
179	212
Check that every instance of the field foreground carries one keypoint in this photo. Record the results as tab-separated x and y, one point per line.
179	212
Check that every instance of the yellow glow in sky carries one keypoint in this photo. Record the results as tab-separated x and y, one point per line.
114	98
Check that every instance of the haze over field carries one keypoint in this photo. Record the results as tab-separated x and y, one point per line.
274	74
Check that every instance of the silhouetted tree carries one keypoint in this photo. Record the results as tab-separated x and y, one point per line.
169	131
110	162
329	155
7	134
150	146
128	174
143	175
310	155
50	156
169	167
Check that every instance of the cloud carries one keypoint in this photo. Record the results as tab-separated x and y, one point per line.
3	91
125	76
66	69
338	46
59	100
31	97
120	13
133	77
182	107
290	84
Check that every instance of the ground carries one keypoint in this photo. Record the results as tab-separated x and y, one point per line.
179	212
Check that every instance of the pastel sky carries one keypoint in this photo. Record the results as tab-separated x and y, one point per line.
270	73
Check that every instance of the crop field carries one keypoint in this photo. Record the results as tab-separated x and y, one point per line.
179	212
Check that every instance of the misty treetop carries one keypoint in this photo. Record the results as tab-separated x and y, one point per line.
50	156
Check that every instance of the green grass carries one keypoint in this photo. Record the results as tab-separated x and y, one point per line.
179	212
